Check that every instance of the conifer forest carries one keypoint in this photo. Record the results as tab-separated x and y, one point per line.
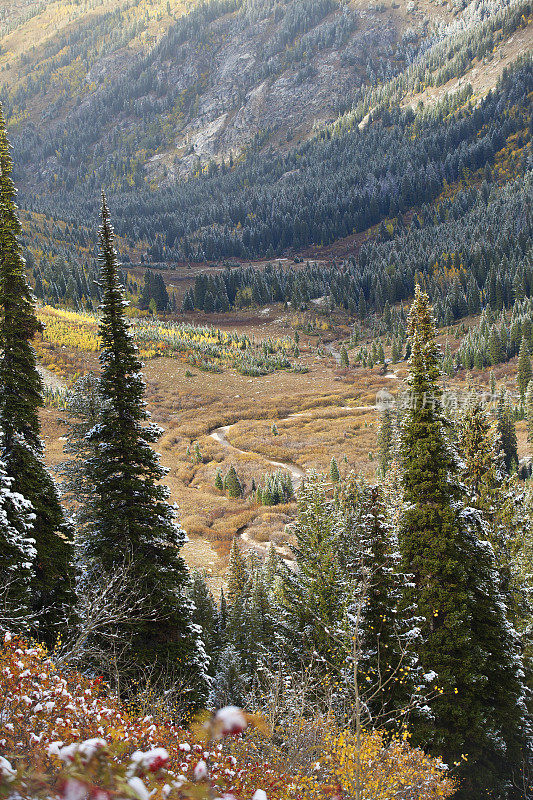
266	400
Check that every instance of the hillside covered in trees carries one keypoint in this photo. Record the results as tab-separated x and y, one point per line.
391	655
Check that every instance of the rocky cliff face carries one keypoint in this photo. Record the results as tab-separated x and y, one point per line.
127	95
258	82
159	99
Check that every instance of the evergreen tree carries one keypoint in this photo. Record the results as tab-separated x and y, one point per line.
481	462
261	623
84	405
507	431
389	674
314	594
344	357
266	496
385	439
498	499
232	484
20	399
230	685
132	520
236	572
495	348
205	615
529	411
219	484
524	371
334	475
466	639
271	566
222	612
198	459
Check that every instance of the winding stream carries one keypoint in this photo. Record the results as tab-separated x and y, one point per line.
297	473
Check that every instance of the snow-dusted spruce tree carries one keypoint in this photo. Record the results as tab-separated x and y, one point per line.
507	431
484	478
20	399
334	475
529	412
341	606
314	595
237	574
385	439
504	506
466	639
205	615
524	372
132	520
17	557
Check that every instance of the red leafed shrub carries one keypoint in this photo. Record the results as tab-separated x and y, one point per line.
85	744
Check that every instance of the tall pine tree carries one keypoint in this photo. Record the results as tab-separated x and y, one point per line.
467	640
20	400
391	682
133	522
524	371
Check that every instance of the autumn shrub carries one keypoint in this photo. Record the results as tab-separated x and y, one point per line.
46	715
325	762
63	736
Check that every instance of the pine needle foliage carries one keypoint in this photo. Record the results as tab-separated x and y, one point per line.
276	487
232	484
529	411
524	371
133	521
17	557
467	641
20	400
507	431
334	474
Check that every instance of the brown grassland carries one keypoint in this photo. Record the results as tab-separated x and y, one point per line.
325	412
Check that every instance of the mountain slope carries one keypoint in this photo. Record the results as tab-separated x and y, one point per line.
218	79
249	129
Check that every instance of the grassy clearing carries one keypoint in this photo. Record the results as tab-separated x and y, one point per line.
68	334
190	403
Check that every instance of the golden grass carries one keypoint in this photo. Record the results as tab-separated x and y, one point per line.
189	408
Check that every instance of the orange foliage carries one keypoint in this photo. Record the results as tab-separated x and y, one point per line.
64	735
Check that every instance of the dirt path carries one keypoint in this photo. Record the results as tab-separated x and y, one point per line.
297	474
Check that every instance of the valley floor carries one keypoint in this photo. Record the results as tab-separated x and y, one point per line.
296	421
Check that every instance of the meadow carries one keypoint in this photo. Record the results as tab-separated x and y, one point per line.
299	418
69	339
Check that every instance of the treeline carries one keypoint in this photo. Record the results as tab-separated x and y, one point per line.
471	251
475	34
